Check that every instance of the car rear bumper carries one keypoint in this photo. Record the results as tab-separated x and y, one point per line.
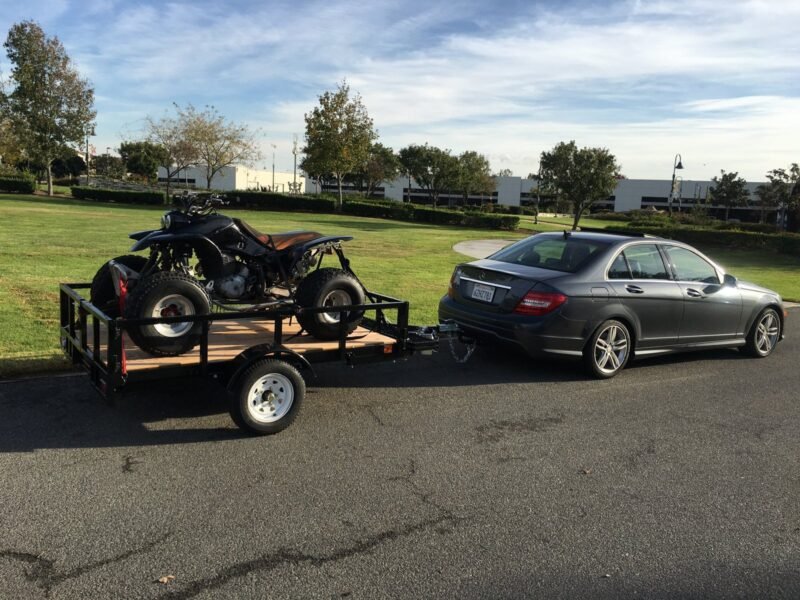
548	335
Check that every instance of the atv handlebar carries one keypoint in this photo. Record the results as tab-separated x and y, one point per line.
193	204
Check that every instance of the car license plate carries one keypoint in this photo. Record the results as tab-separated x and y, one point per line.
482	292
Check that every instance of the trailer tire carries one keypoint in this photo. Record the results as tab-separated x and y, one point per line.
268	397
167	294
329	287
102	293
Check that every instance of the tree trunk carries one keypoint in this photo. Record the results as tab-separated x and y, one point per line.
49	180
576	218
339	201
727	209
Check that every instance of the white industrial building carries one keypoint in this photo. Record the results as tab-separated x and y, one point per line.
235	177
630	194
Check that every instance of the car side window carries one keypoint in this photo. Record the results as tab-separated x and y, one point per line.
689	266
619	268
645	262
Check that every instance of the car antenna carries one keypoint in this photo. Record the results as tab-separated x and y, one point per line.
567	233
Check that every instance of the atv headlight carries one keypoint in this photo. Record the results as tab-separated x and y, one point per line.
166	221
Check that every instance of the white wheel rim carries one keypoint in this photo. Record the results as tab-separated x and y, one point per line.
174	305
767	333
611	349
270	398
335	298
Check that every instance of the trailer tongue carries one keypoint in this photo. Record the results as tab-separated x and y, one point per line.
256	356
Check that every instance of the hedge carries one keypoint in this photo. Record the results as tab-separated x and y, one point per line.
787	243
124	196
272	201
24	184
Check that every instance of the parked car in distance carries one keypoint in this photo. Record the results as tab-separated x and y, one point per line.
606	297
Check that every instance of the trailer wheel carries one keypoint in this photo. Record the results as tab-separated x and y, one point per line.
167	294
268	397
329	287
102	293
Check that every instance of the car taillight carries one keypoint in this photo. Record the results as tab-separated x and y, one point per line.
454	280
539	303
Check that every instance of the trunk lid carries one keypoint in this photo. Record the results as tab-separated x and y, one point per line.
496	286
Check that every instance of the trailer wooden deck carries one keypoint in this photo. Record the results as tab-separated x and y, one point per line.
229	338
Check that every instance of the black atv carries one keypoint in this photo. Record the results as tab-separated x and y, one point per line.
199	259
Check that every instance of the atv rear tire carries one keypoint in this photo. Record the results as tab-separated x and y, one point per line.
102	293
167	294
329	287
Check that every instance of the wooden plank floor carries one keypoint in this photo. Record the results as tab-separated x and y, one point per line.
227	339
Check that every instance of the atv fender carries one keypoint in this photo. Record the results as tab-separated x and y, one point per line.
320	241
207	251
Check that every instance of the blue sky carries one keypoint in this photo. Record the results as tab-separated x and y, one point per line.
717	82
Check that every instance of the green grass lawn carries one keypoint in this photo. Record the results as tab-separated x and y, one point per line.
44	241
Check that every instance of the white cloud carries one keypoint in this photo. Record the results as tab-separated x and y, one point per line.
646	79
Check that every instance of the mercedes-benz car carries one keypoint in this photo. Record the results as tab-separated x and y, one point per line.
606	298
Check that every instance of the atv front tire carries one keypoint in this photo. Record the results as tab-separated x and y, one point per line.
167	294
329	287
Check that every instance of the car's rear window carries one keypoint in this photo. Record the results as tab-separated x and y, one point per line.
557	254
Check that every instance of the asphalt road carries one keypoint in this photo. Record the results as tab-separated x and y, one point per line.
504	478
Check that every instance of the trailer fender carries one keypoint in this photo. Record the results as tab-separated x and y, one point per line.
251	355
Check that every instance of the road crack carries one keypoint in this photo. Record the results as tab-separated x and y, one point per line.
43	573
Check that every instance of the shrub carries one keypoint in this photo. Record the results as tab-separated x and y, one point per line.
22	183
273	201
383	210
787	243
122	196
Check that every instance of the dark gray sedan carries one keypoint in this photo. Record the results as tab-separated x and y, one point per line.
606	298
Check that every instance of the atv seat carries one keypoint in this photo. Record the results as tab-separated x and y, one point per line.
293	238
278	241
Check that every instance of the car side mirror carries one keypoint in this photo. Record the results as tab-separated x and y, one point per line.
729	280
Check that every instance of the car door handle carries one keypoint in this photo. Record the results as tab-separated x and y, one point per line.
694	293
634	289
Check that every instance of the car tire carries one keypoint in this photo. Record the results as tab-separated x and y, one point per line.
329	287
268	397
102	293
764	334
608	350
167	294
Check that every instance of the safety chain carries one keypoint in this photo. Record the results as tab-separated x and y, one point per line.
470	350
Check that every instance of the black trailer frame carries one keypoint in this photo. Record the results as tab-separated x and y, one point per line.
95	341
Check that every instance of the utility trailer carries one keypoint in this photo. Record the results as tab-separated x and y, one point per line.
256	356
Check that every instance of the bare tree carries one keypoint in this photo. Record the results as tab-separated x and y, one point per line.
219	143
172	134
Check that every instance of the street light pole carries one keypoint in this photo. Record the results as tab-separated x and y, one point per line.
678	164
294	151
273	167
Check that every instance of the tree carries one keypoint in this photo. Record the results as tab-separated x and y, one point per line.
109	166
784	189
173	136
504	173
68	167
381	165
50	107
143	158
580	176
339	133
767	199
219	143
729	190
474	175
434	169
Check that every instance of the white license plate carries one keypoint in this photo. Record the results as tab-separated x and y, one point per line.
482	292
